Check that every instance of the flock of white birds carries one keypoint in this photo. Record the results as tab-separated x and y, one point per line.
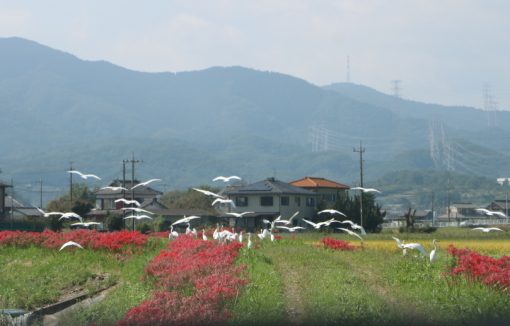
223	235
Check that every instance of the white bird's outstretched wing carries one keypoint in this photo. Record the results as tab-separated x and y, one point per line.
86	176
366	189
495	229
399	243
416	246
311	223
351	233
70	243
331	211
128	202
144	183
114	188
226	179
207	193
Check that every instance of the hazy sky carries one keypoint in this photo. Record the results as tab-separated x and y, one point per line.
443	51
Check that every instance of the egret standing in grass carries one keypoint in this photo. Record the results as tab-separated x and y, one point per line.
432	255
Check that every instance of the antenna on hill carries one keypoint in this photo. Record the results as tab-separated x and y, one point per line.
489	105
396	87
348	77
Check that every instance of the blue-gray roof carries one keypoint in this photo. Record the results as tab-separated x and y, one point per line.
269	186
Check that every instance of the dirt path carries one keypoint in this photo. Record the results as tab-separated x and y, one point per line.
295	307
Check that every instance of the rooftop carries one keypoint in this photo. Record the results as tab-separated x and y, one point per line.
269	186
315	182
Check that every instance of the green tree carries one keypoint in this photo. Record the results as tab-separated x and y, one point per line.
114	222
189	199
372	213
83	201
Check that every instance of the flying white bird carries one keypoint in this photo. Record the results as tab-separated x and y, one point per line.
138	217
489	212
84	176
112	188
70	215
286	222
318	225
331	211
49	213
70	243
85	224
224	201
368	190
416	246
432	256
226	179
208	193
263	234
137	209
406	246
186	219
359	227
487	230
128	202
351	233
238	214
144	183
292	229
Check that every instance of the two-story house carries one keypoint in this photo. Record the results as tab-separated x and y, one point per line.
328	190
268	199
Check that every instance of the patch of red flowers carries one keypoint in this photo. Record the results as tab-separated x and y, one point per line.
194	279
91	239
337	244
488	270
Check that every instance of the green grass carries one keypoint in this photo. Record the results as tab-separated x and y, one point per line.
262	299
33	277
292	281
376	285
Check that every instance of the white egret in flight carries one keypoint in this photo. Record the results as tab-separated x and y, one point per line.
351	233
226	179
84	176
368	190
144	183
487	230
70	243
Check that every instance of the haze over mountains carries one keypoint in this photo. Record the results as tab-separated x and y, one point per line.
191	126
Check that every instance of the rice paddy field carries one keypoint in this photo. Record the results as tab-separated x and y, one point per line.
294	280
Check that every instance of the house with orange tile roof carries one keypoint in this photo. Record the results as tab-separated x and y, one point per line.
328	191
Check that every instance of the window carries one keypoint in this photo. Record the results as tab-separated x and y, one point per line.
329	197
241	201
310	201
284	200
297	201
266	201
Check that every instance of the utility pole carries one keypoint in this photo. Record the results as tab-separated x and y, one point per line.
448	197
71	185
133	162
360	150
40	193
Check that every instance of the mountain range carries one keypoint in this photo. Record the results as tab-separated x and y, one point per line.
189	127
